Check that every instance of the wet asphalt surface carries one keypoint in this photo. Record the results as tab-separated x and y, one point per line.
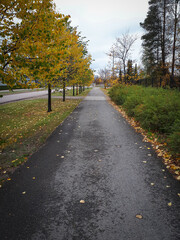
95	156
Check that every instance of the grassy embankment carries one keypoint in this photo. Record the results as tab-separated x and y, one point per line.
158	112
24	127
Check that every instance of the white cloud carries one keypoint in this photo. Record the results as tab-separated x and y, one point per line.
101	21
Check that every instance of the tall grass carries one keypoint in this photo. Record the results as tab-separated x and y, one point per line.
157	110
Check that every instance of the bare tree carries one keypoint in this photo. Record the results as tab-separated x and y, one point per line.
123	47
104	75
112	55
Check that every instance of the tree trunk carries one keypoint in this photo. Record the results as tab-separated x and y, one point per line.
73	90
77	89
49	97
163	38
64	90
174	44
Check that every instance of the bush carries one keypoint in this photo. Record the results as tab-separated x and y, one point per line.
157	110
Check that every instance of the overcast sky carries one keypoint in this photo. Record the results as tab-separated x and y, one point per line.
101	21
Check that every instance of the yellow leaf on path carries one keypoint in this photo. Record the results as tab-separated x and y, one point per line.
82	201
178	178
23	192
179	194
144	161
167	186
139	216
169	204
62	156
9	179
152	184
33	178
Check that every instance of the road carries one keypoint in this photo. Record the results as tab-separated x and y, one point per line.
89	181
22	96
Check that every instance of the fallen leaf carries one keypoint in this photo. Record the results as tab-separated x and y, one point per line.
163	170
9	179
152	184
169	204
165	177
167	186
33	178
179	194
149	155
82	201
100	160
23	192
178	178
27	167
0	186
62	156
57	155
95	150
144	161
139	216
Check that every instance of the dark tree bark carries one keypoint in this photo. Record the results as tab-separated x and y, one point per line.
64	90
73	90
163	38
174	43
77	89
49	98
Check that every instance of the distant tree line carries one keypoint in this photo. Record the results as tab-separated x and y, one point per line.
161	50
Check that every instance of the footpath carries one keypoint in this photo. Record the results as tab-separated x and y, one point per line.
94	179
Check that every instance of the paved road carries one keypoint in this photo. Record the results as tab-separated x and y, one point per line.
22	96
97	157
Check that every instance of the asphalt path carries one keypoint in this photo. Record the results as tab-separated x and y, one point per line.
89	181
22	96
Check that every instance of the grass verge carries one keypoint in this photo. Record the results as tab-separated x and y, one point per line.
25	126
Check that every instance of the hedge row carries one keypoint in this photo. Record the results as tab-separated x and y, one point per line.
157	110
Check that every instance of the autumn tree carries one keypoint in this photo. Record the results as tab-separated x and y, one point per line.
19	20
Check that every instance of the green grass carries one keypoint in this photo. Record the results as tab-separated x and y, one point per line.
157	110
25	125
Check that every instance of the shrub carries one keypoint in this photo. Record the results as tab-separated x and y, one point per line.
157	110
